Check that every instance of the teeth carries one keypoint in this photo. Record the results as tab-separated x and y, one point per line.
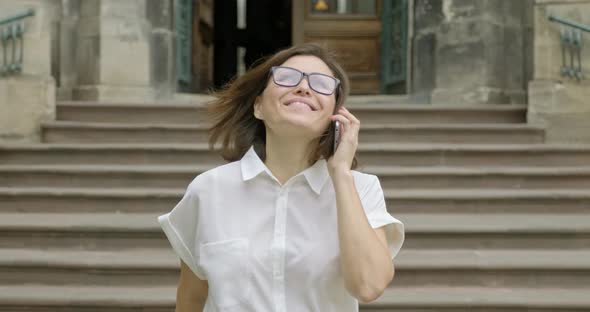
297	102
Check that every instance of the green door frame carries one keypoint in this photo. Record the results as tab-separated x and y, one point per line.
394	44
183	10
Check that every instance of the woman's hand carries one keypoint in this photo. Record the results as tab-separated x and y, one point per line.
349	131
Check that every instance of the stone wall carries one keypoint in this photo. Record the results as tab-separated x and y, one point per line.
559	103
28	98
117	50
469	52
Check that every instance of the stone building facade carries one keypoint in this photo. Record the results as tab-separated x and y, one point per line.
464	52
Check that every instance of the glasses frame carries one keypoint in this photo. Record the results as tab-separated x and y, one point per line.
302	76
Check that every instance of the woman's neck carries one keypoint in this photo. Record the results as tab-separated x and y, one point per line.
286	157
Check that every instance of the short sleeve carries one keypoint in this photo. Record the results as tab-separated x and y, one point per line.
180	227
373	202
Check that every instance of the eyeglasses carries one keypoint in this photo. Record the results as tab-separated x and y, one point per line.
291	77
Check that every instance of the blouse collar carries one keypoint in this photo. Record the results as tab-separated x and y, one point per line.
252	165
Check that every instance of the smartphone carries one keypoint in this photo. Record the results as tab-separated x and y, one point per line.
336	135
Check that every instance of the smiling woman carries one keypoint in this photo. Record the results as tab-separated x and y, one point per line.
287	224
237	128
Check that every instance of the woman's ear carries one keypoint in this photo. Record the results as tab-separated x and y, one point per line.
257	112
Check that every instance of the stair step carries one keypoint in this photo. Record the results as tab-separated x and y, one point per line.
80	132
408	259
377	154
445	230
379	113
80	297
398	178
463	299
492	268
137	266
90	200
160	200
457	268
37	298
493	201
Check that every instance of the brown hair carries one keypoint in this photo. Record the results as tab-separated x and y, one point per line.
232	112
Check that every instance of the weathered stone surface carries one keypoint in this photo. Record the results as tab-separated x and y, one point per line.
88	53
469	72
25	102
561	107
68	45
126	45
428	15
424	66
558	102
159	13
547	39
115	94
475	50
162	74
28	98
124	63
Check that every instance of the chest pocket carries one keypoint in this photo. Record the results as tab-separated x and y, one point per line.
226	264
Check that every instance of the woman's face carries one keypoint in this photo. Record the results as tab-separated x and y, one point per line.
298	110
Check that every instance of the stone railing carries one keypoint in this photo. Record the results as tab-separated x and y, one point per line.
11	38
571	46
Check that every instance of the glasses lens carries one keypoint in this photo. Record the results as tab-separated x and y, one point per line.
322	83
286	76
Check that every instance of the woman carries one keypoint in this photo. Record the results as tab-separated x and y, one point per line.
287	225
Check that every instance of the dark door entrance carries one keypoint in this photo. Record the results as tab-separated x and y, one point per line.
370	36
268	29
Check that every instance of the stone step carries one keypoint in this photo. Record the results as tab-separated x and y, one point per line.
80	132
113	231
399	178
378	113
492	201
45	298
134	266
480	299
370	154
455	268
161	200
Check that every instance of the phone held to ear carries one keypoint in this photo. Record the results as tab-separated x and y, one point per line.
336	135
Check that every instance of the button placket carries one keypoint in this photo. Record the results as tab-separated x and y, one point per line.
279	241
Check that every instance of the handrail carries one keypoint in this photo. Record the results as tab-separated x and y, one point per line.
571	46
573	24
15	18
11	38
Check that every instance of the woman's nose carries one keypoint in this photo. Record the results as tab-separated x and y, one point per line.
303	86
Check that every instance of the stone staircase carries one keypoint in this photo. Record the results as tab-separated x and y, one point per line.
496	220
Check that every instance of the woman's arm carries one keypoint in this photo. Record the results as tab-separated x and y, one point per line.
364	258
192	291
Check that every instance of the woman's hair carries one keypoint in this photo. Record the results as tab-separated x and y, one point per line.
232	111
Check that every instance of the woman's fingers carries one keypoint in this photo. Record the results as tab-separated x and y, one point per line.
349	115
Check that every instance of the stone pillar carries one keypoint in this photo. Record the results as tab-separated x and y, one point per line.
561	104
68	43
162	44
470	52
114	59
28	98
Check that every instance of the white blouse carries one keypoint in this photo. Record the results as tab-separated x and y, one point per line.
267	247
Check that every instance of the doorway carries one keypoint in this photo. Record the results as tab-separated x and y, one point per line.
370	37
265	30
